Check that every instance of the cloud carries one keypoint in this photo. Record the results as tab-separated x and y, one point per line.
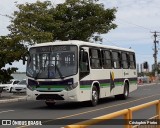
8	7
135	20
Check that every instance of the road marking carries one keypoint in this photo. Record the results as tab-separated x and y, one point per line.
106	107
142	85
6	111
147	89
64	117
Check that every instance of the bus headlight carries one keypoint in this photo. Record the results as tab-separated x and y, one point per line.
71	87
30	88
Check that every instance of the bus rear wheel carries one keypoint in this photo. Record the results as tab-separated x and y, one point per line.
125	94
95	96
50	103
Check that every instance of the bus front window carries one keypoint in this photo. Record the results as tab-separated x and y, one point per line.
52	62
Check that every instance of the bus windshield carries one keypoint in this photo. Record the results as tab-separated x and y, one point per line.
52	62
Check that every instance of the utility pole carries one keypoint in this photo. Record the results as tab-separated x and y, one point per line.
155	52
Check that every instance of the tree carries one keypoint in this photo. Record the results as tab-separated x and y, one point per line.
72	20
42	22
10	50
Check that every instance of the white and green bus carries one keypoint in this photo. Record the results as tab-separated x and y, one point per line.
77	71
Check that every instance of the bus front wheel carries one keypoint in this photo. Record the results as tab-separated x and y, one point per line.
95	97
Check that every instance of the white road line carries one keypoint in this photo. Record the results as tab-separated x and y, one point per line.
6	111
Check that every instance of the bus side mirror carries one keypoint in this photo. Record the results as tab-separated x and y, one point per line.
24	57
24	60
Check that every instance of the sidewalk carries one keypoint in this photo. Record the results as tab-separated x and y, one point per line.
147	84
10	97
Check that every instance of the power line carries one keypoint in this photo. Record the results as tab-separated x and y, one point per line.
142	54
6	16
111	42
3	28
135	24
132	40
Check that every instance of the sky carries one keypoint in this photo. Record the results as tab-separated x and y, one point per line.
136	19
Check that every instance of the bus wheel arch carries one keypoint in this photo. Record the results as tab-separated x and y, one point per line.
125	94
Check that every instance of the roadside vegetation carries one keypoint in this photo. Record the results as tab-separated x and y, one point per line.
43	22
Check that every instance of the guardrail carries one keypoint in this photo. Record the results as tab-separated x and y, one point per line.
127	113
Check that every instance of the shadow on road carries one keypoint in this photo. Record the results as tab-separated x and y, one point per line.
76	105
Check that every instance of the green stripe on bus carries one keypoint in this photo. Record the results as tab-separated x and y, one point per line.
105	84
85	86
133	82
119	83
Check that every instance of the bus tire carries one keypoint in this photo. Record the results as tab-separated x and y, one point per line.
95	96
50	104
125	94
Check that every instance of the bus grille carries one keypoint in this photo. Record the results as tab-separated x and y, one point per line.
49	91
49	96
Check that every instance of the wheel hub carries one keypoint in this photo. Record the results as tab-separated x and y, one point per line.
95	97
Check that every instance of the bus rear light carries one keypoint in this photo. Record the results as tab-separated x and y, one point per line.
30	88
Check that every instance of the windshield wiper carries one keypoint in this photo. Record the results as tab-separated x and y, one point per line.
56	68
59	72
37	74
45	62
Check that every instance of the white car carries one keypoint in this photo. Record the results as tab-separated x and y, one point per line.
1	87
9	86
20	87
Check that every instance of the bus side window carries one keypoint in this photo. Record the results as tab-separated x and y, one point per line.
95	58
132	61
116	60
106	59
125	61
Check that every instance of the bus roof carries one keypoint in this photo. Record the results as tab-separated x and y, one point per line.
81	43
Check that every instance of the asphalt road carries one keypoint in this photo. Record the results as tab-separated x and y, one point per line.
75	112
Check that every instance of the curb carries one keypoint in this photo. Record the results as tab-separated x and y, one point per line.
14	100
147	84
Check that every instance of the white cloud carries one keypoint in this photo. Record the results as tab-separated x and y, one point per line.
8	7
135	20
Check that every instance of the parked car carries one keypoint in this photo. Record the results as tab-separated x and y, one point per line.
9	86
1	88
20	87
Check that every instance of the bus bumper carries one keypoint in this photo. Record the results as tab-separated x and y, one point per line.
57	96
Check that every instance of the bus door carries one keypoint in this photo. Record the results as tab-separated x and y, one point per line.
84	75
84	69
